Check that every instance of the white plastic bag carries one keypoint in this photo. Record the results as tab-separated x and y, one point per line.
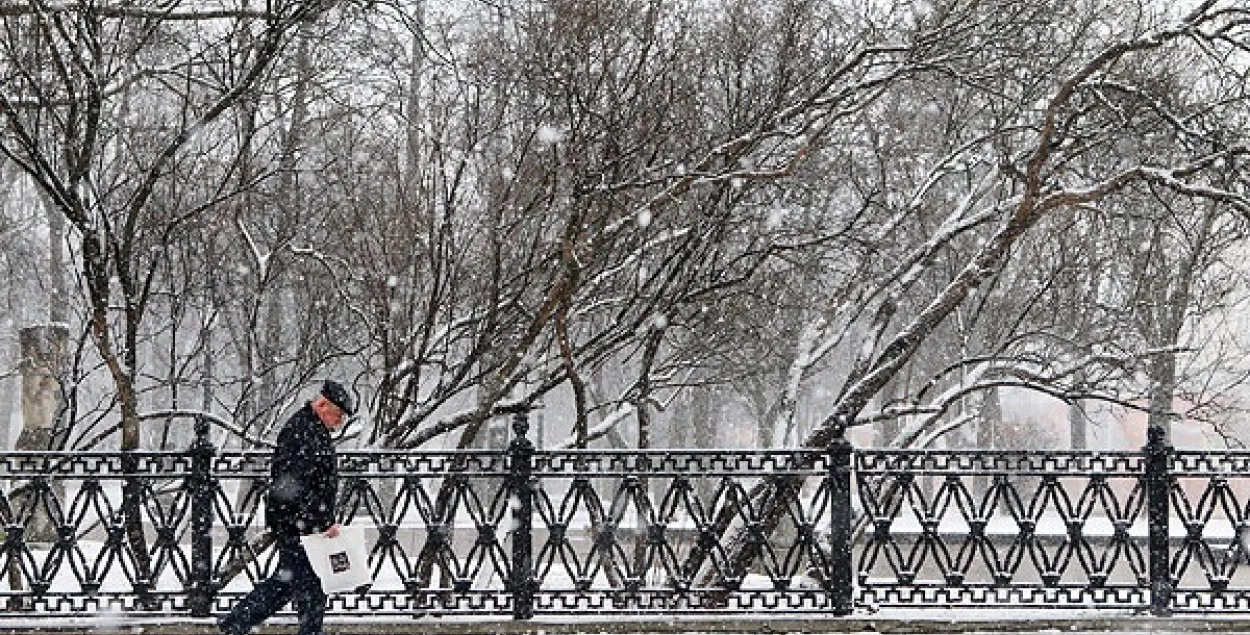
341	562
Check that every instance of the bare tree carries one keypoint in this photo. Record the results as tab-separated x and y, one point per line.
100	103
1035	162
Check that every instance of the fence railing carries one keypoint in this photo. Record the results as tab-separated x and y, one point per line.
525	531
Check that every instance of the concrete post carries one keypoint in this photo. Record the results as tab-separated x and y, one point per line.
44	350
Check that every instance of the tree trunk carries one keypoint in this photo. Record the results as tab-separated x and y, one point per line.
702	420
988	425
1162	392
1078	423
58	296
888	430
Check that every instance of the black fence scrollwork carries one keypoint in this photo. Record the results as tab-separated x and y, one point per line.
524	531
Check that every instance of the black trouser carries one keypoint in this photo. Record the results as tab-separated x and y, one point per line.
293	581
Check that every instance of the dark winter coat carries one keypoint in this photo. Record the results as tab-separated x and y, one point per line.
303	477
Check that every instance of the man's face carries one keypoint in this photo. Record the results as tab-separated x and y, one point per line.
331	415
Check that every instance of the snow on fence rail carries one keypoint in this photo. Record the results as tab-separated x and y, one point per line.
523	531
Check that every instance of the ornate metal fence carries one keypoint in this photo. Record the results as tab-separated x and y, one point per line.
522	531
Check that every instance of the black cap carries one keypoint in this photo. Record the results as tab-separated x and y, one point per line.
338	396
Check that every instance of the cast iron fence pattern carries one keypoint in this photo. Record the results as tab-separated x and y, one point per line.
523	531
1007	529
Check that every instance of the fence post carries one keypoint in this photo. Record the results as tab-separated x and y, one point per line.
521	453
201	594
1158	491
840	524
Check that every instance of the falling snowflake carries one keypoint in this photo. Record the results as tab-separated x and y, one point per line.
644	218
550	134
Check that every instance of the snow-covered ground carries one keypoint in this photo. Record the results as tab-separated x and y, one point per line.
930	621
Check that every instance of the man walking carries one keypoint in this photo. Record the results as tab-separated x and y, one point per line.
302	490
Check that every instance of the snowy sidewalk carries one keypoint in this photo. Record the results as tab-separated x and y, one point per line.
912	622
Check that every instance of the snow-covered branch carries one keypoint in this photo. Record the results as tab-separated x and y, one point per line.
168	12
604	427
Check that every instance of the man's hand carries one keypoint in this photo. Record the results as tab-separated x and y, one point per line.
332	532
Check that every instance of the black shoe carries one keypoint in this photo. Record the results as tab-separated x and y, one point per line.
226	629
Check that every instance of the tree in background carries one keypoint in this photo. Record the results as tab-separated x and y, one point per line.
472	208
101	104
